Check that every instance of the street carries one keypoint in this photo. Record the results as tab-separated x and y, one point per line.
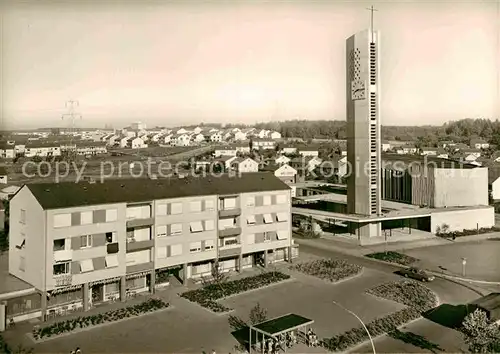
422	335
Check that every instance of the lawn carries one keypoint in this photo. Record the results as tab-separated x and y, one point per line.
393	257
332	270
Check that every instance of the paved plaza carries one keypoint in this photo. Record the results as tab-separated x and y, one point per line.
188	328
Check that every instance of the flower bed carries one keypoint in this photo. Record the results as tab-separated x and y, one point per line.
208	296
467	232
406	292
417	297
329	269
67	326
393	257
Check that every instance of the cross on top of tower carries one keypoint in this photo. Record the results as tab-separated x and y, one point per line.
371	9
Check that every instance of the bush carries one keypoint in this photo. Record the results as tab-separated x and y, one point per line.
466	232
329	269
417	297
87	321
208	296
393	257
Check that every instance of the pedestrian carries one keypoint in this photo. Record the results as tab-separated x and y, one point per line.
78	351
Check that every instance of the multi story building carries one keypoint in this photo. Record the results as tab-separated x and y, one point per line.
363	128
80	244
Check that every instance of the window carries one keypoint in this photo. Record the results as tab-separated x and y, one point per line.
251	239
268	219
226	223
23	217
230	241
281	217
161	230
195	247
209	225
281	199
175	208
86	241
161	252
209	205
161	209
229	203
267	236
86	266
111	215
175	250
59	245
86	217
266	200
251	201
110	237
61	220
209	245
196	226
251	220
112	261
195	206
61	268
282	234
22	264
175	229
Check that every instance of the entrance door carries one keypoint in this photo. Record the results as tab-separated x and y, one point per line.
97	293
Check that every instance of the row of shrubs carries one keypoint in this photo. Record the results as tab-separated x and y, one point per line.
417	297
467	232
332	270
393	257
71	325
208	295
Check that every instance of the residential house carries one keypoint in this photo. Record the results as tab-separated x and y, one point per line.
496	156
240	136
166	139
429	151
305	163
136	143
3	175
471	154
197	138
227	135
288	150
42	149
87	148
242	148
494	182
197	130
263	133
180	140
409	148
225	151
106	241
285	173
7	151
215	137
265	144
386	146
244	165
181	131
124	141
156	137
275	135
7	192
281	160
308	152
442	153
227	161
479	144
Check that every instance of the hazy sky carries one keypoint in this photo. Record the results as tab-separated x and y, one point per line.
170	63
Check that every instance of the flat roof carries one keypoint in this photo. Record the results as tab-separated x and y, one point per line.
342	199
8	282
282	324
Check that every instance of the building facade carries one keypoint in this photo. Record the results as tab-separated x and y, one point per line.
80	244
363	127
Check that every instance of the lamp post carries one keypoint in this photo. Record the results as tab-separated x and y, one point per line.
464	263
362	323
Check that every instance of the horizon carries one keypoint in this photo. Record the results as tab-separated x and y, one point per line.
440	62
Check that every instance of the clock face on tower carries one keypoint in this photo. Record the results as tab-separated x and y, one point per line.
358	90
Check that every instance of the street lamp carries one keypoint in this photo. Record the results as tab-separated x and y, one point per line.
464	263
361	321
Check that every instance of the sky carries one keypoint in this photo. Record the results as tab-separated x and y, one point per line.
185	62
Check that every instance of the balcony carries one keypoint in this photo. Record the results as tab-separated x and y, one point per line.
233	231
141	267
230	250
63	255
131	223
133	245
225	213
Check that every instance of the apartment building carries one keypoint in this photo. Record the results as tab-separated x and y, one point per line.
84	243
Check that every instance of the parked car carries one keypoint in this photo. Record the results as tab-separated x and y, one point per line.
417	274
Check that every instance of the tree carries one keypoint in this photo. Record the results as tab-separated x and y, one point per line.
217	277
250	145
481	334
257	314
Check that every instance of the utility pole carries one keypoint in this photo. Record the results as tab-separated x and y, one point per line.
371	9
72	116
